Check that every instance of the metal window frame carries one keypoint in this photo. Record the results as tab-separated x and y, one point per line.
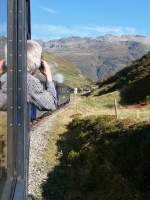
28	20
17	121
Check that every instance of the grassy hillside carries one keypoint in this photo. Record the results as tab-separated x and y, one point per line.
90	153
107	53
72	75
3	122
3	139
133	82
101	158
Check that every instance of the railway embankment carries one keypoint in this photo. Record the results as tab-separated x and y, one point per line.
70	137
40	134
100	157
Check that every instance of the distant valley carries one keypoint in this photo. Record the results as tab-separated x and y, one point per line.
93	58
101	57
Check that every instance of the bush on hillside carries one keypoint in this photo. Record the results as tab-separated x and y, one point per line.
133	82
136	92
103	159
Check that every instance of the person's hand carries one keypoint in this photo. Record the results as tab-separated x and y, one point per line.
2	63
47	71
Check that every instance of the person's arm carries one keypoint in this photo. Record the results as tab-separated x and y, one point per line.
43	99
3	92
3	100
51	89
47	71
2	63
50	84
3	86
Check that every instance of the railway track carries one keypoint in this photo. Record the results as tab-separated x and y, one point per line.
37	128
45	115
39	137
15	160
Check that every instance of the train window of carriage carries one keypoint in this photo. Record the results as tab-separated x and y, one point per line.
3	92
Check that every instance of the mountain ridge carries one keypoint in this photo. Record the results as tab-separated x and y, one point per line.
133	82
107	54
96	58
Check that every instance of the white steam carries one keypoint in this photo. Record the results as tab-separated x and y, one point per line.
59	78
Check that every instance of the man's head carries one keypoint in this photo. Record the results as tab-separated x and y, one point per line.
34	52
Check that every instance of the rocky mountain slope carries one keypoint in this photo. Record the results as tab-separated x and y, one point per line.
2	45
101	57
97	58
132	81
70	73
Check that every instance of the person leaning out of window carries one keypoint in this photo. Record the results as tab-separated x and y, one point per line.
44	97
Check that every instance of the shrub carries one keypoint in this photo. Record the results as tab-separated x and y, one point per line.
105	159
136	92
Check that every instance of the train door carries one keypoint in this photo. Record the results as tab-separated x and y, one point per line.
14	115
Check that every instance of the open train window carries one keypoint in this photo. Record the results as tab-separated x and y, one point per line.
3	94
14	124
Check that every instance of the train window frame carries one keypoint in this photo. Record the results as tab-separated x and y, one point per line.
3	115
18	31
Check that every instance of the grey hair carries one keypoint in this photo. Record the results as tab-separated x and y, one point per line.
34	53
5	50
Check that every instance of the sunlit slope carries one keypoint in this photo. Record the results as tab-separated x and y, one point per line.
3	139
72	75
108	53
97	157
133	81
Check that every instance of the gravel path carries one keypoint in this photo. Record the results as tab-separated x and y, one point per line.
39	137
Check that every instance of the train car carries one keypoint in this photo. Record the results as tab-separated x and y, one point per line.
63	94
63	98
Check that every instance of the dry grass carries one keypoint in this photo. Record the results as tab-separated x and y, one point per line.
81	106
58	128
3	138
72	76
3	123
103	105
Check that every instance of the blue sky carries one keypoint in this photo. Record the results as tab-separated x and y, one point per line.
63	18
3	14
87	18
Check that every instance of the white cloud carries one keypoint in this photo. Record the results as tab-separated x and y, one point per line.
49	10
110	30
58	31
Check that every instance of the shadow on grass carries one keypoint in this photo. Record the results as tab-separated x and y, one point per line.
136	92
102	159
131	93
